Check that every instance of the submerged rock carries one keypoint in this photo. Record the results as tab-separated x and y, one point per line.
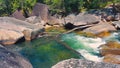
9	59
11	30
112	59
103	34
110	48
77	63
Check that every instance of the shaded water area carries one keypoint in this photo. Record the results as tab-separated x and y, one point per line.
44	52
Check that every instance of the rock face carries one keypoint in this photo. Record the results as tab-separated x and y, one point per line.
36	20
11	30
81	19
18	15
53	21
9	59
41	10
101	27
77	63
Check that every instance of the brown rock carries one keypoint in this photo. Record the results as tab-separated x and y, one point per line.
83	19
101	27
112	59
41	10
103	34
11	30
9	37
110	48
53	21
110	18
18	15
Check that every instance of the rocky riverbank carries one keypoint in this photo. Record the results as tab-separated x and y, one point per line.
18	28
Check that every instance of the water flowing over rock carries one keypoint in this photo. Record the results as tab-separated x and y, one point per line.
77	63
112	59
9	59
11	30
110	48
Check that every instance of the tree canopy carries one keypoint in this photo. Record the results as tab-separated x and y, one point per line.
56	6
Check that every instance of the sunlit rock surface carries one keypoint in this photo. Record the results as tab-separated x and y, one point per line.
102	26
12	29
77	63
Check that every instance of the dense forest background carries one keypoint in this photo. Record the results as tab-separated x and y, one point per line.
7	7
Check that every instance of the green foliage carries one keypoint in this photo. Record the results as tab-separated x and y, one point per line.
56	6
9	6
75	6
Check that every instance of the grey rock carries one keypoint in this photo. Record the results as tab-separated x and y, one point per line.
10	59
41	10
83	19
53	21
98	28
18	15
11	30
36	20
79	63
116	24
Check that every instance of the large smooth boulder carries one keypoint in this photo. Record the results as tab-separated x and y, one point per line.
83	19
41	10
80	19
78	63
11	30
10	59
100	27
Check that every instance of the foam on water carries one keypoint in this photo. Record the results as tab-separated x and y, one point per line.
113	37
88	47
89	56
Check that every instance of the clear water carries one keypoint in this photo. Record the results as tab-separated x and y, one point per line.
87	47
44	52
